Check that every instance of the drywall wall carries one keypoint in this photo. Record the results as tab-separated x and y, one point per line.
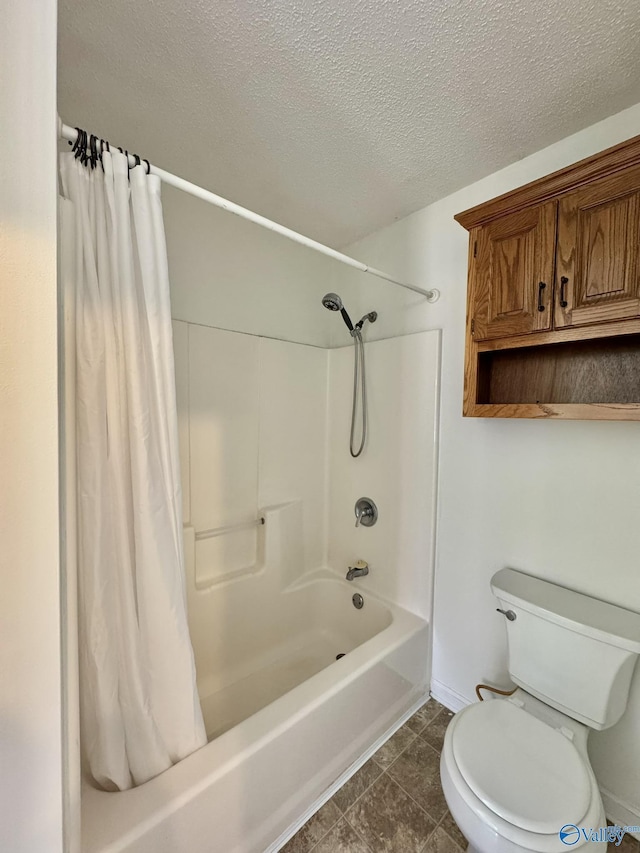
31	797
556	499
230	274
397	468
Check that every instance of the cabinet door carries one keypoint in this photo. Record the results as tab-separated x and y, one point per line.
514	274
597	269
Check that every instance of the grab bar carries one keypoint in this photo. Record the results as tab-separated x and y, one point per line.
218	531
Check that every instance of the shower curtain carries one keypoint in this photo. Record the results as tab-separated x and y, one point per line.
139	705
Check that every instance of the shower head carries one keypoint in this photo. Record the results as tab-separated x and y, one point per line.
333	302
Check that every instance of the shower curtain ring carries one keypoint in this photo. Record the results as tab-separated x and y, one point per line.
93	146
74	149
148	167
83	148
77	145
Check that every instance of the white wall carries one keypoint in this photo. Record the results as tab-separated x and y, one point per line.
397	469
560	500
30	698
231	274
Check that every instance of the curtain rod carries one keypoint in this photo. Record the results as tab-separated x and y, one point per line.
71	134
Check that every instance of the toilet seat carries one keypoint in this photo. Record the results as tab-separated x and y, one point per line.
528	773
488	831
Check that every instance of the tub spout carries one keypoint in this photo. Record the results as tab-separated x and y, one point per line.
358	571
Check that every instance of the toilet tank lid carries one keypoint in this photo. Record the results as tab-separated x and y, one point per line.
574	610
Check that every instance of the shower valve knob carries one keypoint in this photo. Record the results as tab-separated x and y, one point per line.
366	512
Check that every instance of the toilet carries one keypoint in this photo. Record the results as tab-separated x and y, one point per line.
515	771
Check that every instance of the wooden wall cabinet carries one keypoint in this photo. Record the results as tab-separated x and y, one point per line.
553	310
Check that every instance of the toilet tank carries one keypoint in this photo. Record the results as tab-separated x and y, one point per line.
574	652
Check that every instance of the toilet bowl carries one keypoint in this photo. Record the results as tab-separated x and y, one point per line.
515	773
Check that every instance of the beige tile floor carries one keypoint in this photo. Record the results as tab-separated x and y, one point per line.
394	803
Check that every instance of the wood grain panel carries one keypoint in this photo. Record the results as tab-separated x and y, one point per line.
560	411
606	231
514	255
606	163
470	390
597	252
570	333
601	371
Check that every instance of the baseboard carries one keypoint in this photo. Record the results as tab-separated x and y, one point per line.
451	699
619	812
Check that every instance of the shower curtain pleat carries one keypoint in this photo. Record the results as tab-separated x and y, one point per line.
139	704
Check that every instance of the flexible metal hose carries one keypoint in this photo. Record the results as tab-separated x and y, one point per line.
359	380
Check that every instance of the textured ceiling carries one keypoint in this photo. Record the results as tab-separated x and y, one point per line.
337	116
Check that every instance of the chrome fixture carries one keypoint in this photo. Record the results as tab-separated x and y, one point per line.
366	512
360	569
333	302
358	601
509	614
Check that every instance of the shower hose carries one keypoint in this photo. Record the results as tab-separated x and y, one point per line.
359	385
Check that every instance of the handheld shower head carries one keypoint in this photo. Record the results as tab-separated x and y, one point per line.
333	302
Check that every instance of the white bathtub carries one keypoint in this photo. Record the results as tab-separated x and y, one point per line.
284	717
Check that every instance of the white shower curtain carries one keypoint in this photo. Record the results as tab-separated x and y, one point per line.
139	705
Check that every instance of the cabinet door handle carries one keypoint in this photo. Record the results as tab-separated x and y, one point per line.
564	281
541	287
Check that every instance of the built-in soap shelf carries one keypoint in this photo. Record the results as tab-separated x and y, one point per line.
229	528
225	553
232	552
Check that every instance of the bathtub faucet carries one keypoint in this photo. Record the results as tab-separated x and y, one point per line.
360	569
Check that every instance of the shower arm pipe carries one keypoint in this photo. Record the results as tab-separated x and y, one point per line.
71	134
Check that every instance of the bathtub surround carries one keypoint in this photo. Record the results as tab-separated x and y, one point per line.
266	422
252	416
139	706
397	471
558	500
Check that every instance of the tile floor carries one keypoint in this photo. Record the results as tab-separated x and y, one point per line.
394	803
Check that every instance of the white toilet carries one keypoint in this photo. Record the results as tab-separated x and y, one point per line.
515	771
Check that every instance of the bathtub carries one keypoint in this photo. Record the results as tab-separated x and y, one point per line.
286	721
